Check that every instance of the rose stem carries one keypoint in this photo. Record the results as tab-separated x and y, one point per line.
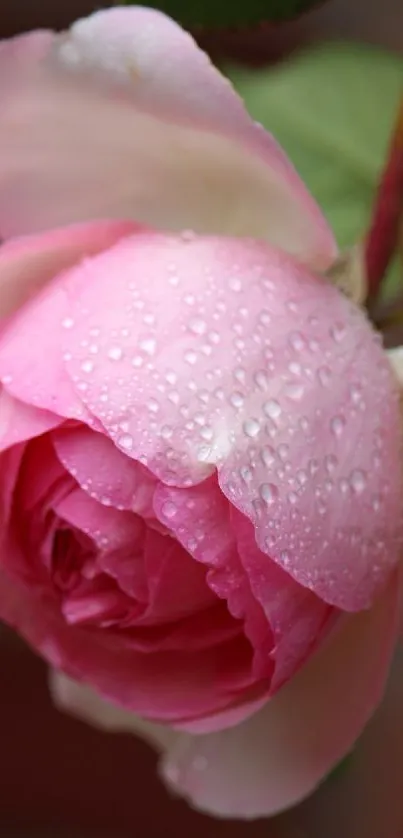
382	238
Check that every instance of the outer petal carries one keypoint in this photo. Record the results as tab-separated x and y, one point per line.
225	354
20	422
278	756
126	117
29	263
81	701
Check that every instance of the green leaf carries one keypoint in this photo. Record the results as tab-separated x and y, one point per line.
332	109
224	13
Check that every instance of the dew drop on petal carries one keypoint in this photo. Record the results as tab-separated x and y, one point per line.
126	441
236	399
269	493
251	427
337	425
148	345
115	353
67	323
272	409
358	481
87	365
235	284
169	509
190	356
197	326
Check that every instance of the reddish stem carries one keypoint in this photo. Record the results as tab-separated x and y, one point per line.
383	235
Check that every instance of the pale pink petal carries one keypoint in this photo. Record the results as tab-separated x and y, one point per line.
83	702
396	359
297	617
279	755
116	481
225	354
199	517
125	117
20	422
29	263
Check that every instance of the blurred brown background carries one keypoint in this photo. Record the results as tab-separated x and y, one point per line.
61	779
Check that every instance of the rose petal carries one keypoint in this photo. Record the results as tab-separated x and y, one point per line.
202	683
279	755
117	480
199	517
28	263
125	117
81	701
297	617
20	422
231	356
226	354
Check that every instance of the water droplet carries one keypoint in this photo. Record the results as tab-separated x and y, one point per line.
169	509
166	432
338	332
331	463
264	318
356	393
173	397
337	425
344	486
190	356
87	365
269	493
358	481
67	323
376	503
240	375
294	391
272	409
153	405
302	477
246	474
295	368
148	345
126	441
324	376
285	557
189	299
251	427
268	456
296	341
235	284
206	433
283	451
115	353
313	466
214	337
236	399
261	380
293	498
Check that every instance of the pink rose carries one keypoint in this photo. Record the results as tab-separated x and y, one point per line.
201	482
